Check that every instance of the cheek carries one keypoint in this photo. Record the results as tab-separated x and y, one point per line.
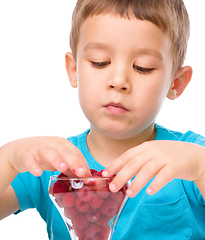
152	98
87	94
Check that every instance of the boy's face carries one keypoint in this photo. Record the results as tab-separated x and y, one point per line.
124	73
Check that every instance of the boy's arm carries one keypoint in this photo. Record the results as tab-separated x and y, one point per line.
7	173
36	155
8	203
8	199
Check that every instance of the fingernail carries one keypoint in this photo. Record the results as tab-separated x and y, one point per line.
105	173
81	170
112	187
149	191
37	172
129	193
62	165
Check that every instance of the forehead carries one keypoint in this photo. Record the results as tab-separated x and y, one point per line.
107	32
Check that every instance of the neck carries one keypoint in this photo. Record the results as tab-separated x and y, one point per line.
105	149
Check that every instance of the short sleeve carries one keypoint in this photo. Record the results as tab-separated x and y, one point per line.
32	192
20	186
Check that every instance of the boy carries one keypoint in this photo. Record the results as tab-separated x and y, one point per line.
127	57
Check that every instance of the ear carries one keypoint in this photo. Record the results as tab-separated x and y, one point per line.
70	65
182	79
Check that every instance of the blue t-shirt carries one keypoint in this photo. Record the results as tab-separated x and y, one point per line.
175	212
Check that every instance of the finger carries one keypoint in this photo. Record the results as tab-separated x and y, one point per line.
127	172
49	159
146	173
70	173
75	159
163	177
119	163
31	165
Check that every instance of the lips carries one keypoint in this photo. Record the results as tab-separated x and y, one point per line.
115	108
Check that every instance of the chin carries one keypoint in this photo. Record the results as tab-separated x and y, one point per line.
118	134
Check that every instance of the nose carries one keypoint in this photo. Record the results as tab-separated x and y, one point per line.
120	80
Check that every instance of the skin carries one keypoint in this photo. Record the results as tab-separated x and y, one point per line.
123	73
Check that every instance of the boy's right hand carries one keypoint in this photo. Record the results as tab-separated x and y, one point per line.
46	153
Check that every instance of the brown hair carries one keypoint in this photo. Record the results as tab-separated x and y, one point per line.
169	15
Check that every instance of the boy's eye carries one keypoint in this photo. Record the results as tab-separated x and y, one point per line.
142	69
100	64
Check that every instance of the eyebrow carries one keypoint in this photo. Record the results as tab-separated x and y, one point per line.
93	45
142	51
149	52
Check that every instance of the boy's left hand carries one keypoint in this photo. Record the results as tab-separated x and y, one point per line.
164	159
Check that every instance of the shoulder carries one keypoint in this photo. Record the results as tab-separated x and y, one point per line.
189	136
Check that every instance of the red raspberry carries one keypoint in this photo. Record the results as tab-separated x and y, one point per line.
117	197
58	187
96	202
97	237
103	221
91	230
97	184
61	175
69	199
68	184
70	212
103	192
109	208
124	189
65	181
93	215
93	171
79	233
104	232
85	193
80	221
82	206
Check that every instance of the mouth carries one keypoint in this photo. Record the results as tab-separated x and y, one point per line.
115	108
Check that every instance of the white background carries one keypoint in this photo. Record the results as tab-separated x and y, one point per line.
35	95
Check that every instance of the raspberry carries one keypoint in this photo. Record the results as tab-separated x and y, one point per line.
79	233
117	197
96	184
91	230
96	202
61	175
69	199
109	208
93	215
85	193
124	189
58	187
97	237
103	221
70	212
82	206
93	171
103	192
80	221
104	232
